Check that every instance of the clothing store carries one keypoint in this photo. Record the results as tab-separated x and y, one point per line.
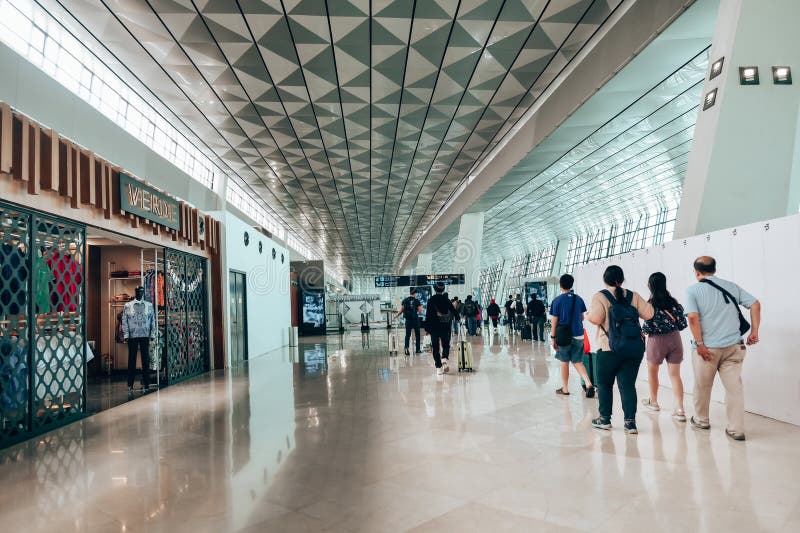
104	293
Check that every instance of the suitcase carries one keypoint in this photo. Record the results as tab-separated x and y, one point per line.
526	332
464	355
590	362
394	343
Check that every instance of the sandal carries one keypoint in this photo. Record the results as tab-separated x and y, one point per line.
650	405
560	392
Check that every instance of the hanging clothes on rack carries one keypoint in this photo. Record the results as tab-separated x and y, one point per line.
68	279
154	287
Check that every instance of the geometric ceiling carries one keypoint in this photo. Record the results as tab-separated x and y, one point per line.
352	120
622	153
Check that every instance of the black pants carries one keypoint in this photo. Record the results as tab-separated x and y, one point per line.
623	368
142	344
537	327
494	322
412	325
440	335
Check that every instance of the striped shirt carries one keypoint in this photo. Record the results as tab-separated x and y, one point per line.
718	320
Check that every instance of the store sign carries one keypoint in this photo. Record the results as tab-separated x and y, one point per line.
142	200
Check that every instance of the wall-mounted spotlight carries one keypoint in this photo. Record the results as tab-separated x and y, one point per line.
710	99
782	75
748	76
716	68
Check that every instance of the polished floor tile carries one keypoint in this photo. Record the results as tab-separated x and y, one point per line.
337	436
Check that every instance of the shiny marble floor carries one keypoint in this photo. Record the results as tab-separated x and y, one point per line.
337	436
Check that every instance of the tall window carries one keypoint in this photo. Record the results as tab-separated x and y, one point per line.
488	282
649	229
40	39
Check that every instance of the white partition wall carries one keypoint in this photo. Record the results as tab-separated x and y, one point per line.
764	258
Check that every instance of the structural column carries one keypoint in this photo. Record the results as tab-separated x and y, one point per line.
743	165
467	258
425	264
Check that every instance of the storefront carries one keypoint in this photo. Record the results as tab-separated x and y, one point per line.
77	237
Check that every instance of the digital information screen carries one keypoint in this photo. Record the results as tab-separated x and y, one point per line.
419	281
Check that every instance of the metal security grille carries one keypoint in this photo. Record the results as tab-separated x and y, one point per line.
187	354
14	331
58	332
42	331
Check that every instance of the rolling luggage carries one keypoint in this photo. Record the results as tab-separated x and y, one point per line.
464	355
526	332
589	361
394	343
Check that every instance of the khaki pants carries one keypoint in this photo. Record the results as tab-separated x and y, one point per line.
728	362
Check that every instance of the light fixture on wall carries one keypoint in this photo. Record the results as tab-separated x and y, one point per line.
748	76
782	75
710	99
716	68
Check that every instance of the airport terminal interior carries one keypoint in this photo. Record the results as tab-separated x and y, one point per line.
399	265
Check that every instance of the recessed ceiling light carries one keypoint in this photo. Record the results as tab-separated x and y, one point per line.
748	76
716	68
782	75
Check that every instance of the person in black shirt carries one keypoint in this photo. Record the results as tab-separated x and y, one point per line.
511	313
537	313
438	323
411	309
493	310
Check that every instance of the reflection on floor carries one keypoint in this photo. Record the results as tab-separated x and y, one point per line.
337	436
106	392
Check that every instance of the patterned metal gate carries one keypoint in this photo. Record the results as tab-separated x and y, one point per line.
187	341
42	323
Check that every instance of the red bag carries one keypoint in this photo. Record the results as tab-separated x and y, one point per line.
587	348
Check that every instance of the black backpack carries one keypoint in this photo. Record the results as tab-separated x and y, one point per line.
444	318
624	331
538	308
469	308
520	308
409	311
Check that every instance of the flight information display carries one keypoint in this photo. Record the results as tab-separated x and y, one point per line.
419	281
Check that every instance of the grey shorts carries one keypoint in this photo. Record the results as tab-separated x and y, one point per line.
572	353
668	346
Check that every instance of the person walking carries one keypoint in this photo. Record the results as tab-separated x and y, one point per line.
616	312
537	313
664	343
511	312
470	314
438	317
717	325
493	310
568	310
459	308
411	308
519	309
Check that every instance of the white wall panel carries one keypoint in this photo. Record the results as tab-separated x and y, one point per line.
764	258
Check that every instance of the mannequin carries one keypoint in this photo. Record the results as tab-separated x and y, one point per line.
138	328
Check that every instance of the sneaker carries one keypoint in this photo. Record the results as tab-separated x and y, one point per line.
445	366
602	422
679	415
560	392
699	424
630	427
439	371
650	405
733	435
590	391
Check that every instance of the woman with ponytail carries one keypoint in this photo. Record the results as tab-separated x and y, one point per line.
664	343
621	365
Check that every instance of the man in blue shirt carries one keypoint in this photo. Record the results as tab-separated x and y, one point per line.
568	309
718	347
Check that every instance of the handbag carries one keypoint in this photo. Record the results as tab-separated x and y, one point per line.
564	331
587	348
744	325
